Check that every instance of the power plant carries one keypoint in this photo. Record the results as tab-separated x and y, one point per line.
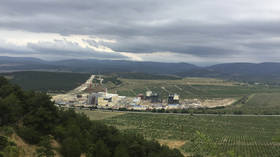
173	99
94	94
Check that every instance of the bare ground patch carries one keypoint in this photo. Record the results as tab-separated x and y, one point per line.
172	143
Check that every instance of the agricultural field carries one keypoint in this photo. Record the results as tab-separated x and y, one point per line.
99	115
245	136
188	88
131	84
258	104
264	100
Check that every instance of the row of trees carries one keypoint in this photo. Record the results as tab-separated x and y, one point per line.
37	121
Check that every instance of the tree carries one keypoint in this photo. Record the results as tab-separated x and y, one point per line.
3	142
136	150
29	134
98	149
45	149
102	149
42	114
9	109
71	147
121	151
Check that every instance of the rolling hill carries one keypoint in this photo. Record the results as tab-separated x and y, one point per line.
263	72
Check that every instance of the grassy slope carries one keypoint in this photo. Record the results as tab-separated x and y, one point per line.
256	103
25	149
266	100
263	102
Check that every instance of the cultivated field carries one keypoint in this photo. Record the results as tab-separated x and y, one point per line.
202	88
259	103
246	136
265	100
99	115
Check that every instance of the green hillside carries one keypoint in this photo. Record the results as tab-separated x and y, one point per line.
47	81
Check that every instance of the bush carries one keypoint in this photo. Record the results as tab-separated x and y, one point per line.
11	151
3	142
71	147
29	135
45	149
7	130
44	152
238	112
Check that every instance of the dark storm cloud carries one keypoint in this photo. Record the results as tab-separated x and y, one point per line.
199	28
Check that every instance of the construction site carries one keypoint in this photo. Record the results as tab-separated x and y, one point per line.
93	95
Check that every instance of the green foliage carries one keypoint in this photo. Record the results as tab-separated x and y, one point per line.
121	151
42	112
48	81
201	145
3	142
113	79
7	130
8	148
11	151
29	134
45	149
99	149
9	109
44	152
71	147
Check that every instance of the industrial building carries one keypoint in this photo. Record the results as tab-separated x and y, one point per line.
153	97
103	99
173	99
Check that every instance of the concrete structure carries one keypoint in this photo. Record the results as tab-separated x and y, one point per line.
103	99
155	98
173	99
148	94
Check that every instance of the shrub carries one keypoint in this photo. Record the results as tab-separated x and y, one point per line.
11	151
3	142
7	130
29	135
71	147
45	149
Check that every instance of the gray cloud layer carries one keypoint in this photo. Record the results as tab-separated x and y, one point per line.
216	29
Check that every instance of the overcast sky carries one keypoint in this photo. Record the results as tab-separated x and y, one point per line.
194	31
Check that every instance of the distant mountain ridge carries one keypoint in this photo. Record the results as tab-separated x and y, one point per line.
93	66
235	71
